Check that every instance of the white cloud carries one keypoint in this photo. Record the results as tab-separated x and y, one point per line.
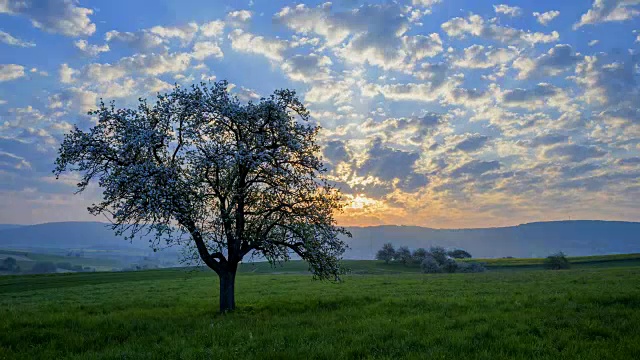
609	10
426	3
140	40
546	17
374	34
512	11
479	57
183	33
212	29
557	60
66	74
89	49
272	49
74	99
11	40
54	16
205	49
239	16
476	26
11	72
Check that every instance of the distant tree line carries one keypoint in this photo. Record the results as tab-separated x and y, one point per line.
435	260
10	265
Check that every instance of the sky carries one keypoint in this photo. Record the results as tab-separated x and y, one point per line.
439	113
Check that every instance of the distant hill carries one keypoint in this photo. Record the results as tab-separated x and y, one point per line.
576	238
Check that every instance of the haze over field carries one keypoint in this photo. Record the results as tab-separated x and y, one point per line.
577	238
439	113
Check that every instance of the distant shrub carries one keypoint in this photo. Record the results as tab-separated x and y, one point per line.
403	255
43	267
449	265
459	254
557	261
429	265
474	267
387	253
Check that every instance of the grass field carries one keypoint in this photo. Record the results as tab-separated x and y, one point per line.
583	313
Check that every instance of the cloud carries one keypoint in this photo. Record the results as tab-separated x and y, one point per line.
11	72
307	68
239	16
425	3
74	99
336	151
479	57
11	40
370	34
573	152
90	50
539	96
512	11
205	49
476	26
558	59
475	168
388	164
546	17
183	33
272	49
471	142
609	10
160	37
212	29
607	81
546	140
140	40
54	16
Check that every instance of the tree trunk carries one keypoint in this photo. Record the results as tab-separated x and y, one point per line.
227	290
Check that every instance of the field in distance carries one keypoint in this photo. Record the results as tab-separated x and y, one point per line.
381	311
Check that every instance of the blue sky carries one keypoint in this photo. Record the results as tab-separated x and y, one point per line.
442	113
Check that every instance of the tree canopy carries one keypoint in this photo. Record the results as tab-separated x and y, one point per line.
199	168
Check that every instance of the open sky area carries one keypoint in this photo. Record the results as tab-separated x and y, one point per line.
440	113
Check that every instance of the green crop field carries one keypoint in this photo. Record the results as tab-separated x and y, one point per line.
379	311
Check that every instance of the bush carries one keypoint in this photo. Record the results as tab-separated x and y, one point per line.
465	267
429	265
449	265
557	261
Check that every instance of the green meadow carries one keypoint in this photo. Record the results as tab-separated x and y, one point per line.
516	310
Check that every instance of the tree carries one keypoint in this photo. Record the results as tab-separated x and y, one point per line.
10	264
387	253
403	255
557	261
439	254
459	254
419	254
226	179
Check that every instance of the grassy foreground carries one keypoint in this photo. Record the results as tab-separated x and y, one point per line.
587	313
